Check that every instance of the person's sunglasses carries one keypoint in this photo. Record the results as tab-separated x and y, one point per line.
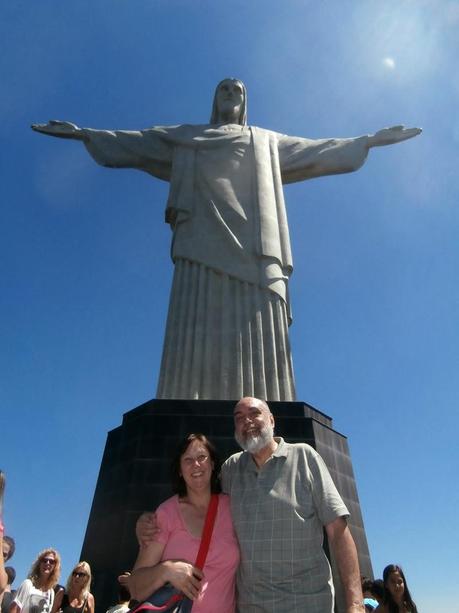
51	561
78	575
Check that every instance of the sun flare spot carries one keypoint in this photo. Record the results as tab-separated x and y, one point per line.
389	63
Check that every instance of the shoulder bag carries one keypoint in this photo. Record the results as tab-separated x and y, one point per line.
168	599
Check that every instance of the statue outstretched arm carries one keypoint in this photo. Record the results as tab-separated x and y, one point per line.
302	158
60	129
391	136
145	150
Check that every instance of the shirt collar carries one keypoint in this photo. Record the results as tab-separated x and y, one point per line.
281	451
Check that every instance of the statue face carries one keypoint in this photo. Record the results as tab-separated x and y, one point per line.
230	98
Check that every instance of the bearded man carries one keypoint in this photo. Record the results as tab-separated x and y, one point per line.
282	497
229	313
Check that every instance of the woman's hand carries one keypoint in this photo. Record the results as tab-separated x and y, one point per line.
184	576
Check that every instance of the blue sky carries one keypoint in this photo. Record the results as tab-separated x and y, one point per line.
85	266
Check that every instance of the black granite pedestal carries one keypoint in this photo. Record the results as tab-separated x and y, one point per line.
134	475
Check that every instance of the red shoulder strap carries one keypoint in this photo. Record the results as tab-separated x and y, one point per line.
207	532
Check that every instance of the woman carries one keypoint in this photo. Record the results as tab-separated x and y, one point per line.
170	558
36	594
4	556
397	597
76	598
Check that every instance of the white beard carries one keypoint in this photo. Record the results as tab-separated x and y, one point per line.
254	444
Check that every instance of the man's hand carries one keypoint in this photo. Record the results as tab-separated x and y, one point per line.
146	529
61	129
343	547
184	576
391	136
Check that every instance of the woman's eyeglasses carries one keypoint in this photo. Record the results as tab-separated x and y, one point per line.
78	575
51	561
200	459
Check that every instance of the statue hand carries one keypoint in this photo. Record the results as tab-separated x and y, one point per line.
61	129
390	136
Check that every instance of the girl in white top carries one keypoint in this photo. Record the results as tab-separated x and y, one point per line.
36	593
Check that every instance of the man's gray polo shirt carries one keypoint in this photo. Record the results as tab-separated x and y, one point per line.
279	512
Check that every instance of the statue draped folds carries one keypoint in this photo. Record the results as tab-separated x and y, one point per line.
227	330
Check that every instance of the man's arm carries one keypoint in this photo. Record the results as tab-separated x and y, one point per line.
345	553
146	528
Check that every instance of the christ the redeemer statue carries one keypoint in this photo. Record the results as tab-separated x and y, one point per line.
227	328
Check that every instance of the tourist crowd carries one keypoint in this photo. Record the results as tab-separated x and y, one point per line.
41	592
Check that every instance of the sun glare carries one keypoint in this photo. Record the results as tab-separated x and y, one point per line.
389	63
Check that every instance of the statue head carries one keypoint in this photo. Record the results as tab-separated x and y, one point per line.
230	103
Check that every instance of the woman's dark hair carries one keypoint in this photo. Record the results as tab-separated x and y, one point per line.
11	542
392	606
367	584
377	589
124	594
11	573
178	483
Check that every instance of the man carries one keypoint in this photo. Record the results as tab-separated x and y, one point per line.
282	496
229	312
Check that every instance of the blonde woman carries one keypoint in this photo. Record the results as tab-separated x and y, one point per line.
76	598
36	594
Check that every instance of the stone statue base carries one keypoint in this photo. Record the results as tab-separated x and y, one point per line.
134	475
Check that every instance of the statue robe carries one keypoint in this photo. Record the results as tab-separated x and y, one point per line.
227	329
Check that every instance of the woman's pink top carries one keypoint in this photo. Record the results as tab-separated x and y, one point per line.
218	585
